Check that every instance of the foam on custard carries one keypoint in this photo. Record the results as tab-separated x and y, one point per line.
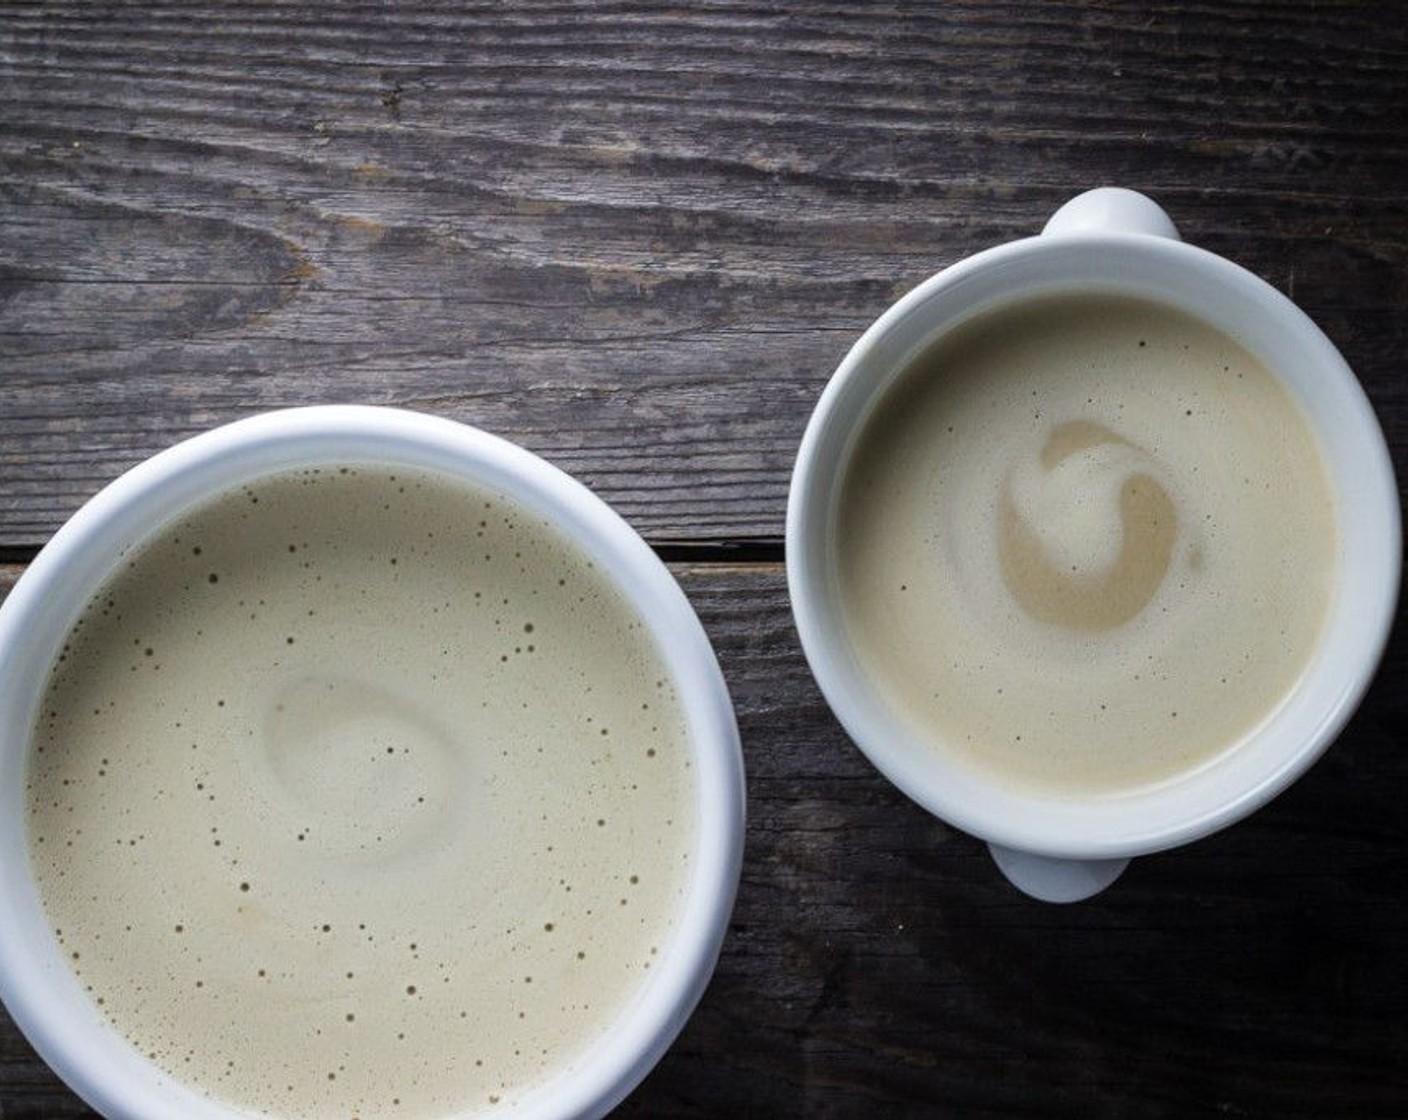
360	792
1086	545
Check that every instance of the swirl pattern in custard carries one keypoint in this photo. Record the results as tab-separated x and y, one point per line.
1085	546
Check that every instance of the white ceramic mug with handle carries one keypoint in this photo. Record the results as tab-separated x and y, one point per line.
1111	241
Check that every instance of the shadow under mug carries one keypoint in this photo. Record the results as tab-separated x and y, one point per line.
1110	241
42	993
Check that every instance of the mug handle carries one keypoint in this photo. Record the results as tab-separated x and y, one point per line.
1111	210
1048	879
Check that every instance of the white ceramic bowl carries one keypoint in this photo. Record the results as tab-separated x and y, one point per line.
37	986
1117	242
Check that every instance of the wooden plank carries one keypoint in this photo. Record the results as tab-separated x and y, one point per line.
634	238
877	965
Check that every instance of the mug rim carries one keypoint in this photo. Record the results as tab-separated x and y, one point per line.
1139	821
36	985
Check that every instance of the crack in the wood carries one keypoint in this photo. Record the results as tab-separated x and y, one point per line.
741	550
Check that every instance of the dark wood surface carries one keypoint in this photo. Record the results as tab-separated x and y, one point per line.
636	239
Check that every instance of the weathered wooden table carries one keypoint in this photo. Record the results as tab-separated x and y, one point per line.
637	239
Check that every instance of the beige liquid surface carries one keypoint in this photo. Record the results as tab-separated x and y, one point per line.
1085	547
361	793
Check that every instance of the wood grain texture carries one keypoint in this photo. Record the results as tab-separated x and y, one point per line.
877	965
637	238
634	237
